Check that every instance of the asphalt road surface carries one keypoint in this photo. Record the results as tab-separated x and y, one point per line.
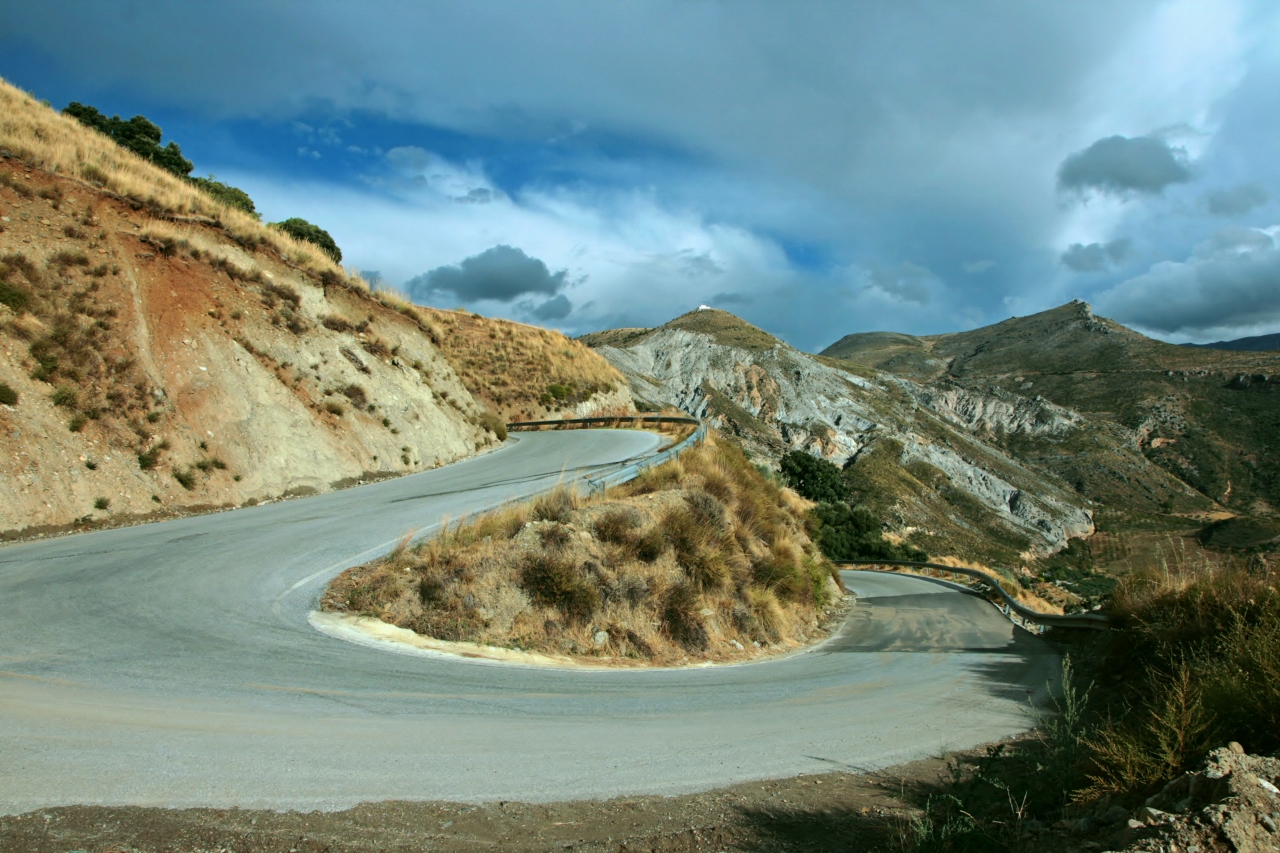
173	664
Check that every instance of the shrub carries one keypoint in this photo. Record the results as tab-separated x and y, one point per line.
336	324
697	544
682	617
185	478
65	396
17	298
77	423
1200	659
138	134
101	503
846	533
813	478
556	505
69	258
334	408
553	581
271	291
494	424
8	396
356	395
149	458
617	525
301	229
228	195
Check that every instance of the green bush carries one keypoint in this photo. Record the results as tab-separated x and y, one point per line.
847	533
15	297
813	478
228	195
149	458
65	396
301	229
138	134
8	396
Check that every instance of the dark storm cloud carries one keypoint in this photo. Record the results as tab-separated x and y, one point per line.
1236	200
872	132
1096	257
730	299
555	308
502	274
1124	165
1229	282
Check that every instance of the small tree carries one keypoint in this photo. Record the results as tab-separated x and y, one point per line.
814	478
139	134
227	194
301	229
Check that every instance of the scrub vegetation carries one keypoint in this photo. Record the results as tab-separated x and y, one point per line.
843	531
1192	666
524	372
702	558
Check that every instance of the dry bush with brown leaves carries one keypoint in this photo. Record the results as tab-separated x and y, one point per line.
701	559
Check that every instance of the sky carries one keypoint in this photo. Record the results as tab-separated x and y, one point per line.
819	169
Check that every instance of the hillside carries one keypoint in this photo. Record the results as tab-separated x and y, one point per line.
1256	343
1205	417
161	352
522	372
939	483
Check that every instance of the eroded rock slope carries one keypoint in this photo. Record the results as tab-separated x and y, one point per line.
920	448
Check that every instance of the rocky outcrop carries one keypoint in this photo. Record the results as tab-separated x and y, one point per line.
995	411
776	398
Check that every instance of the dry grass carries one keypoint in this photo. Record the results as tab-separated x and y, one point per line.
1197	656
521	372
48	140
663	571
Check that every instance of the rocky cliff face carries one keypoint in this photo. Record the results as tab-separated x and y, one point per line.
775	398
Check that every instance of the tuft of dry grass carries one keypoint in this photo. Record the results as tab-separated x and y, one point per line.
657	574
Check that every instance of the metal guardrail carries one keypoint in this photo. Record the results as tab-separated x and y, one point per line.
609	421
1090	621
626	473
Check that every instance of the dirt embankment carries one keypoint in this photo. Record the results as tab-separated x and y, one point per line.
149	364
702	559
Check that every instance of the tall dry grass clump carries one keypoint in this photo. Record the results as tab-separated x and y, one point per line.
703	558
1197	653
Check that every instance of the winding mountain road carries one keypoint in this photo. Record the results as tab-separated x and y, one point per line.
173	664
